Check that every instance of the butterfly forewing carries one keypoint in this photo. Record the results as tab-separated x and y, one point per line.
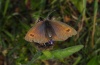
62	31
37	33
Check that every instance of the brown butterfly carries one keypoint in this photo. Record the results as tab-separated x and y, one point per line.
47	30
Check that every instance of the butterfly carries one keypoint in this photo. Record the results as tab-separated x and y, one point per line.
48	30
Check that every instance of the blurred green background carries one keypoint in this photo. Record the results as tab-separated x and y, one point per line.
18	16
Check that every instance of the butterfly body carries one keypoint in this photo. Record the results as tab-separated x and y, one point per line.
47	30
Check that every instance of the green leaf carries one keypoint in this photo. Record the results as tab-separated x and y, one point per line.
47	54
6	7
77	60
61	53
79	4
93	61
66	52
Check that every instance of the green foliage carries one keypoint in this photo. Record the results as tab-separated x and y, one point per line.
93	61
61	53
79	4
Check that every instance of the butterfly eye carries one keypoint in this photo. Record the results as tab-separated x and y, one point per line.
31	35
68	30
50	42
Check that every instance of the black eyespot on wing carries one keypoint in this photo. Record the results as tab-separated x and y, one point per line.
68	30
31	35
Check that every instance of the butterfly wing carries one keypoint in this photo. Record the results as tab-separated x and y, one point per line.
62	31
37	33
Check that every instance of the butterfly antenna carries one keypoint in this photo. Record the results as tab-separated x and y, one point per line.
47	18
